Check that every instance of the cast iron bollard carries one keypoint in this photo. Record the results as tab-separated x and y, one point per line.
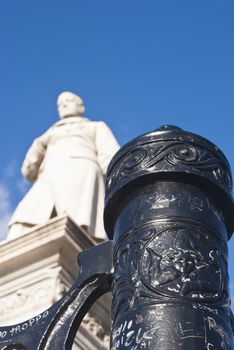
169	210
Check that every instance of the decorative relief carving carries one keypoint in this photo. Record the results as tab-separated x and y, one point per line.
96	329
60	290
32	295
166	155
179	261
186	265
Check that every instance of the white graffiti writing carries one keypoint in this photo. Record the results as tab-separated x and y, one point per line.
131	337
23	326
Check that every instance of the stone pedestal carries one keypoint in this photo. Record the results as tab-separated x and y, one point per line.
38	268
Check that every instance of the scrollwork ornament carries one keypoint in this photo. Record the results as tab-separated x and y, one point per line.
165	156
135	159
223	176
183	153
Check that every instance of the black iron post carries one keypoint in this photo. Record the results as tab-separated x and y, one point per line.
169	210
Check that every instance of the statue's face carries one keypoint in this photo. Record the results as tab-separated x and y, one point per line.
70	105
185	262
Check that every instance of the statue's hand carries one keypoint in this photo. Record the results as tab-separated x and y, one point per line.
34	157
30	170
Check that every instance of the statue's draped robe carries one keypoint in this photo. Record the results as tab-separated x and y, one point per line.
67	165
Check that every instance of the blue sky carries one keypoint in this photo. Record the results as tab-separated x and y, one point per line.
137	65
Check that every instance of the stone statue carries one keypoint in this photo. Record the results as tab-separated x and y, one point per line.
67	166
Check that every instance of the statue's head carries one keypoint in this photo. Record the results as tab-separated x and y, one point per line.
70	105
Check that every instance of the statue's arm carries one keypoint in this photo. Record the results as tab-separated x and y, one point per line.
106	145
34	157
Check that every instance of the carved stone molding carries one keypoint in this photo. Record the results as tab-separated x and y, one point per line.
26	298
92	324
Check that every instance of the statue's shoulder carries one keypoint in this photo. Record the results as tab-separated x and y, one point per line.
99	123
